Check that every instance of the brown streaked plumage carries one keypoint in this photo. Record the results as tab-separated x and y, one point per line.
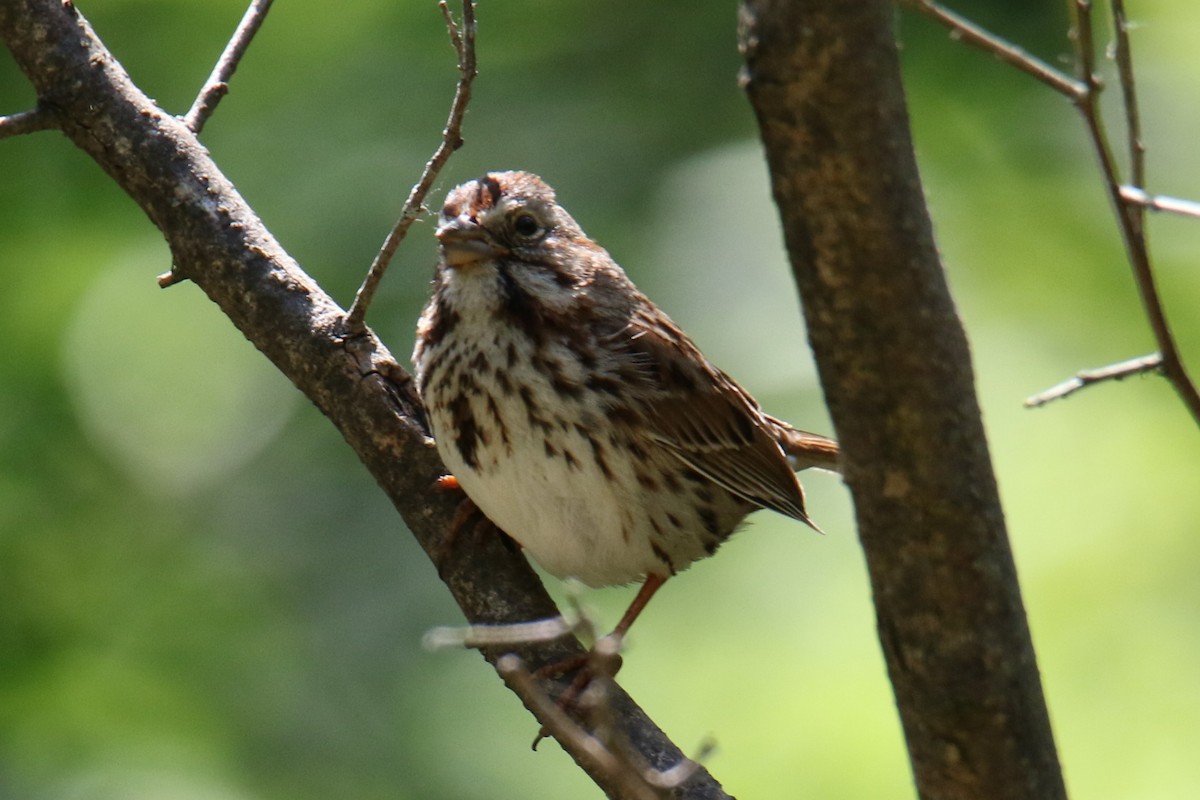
574	413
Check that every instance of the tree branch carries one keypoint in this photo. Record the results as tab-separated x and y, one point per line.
218	243
1130	216
967	32
1128	205
217	85
1089	377
824	80
633	781
1133	121
1158	202
40	119
463	41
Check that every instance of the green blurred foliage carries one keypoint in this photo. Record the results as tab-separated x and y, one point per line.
202	593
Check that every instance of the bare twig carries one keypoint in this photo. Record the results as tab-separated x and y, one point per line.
1133	124
40	119
1129	202
604	764
1088	105
493	635
217	85
613	768
1158	202
452	28
169	279
1084	41
580	622
1130	216
1088	377
623	766
463	40
968	32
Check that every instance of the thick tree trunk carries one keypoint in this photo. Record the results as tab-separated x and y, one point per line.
824	79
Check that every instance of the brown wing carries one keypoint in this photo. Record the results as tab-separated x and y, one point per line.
709	422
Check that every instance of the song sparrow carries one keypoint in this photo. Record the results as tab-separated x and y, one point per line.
574	413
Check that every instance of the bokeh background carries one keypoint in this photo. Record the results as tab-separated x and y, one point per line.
203	596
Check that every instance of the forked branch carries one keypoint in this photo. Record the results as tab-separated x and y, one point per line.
1129	199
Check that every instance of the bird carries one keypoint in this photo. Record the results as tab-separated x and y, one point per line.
574	413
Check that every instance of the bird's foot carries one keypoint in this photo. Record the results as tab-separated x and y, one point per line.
602	661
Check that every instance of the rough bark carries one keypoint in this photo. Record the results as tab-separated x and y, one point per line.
824	79
218	243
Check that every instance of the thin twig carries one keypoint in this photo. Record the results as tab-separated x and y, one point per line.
1129	202
1158	202
474	636
1133	124
1129	216
1085	48
452	28
1088	105
1085	57
463	40
168	279
40	119
571	734
603	661
1089	377
968	32
622	773
217	85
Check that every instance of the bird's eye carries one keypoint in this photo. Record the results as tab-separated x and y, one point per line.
526	225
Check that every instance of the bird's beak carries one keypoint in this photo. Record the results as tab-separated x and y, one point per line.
464	242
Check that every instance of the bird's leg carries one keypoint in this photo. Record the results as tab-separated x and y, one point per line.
467	518
611	654
649	586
